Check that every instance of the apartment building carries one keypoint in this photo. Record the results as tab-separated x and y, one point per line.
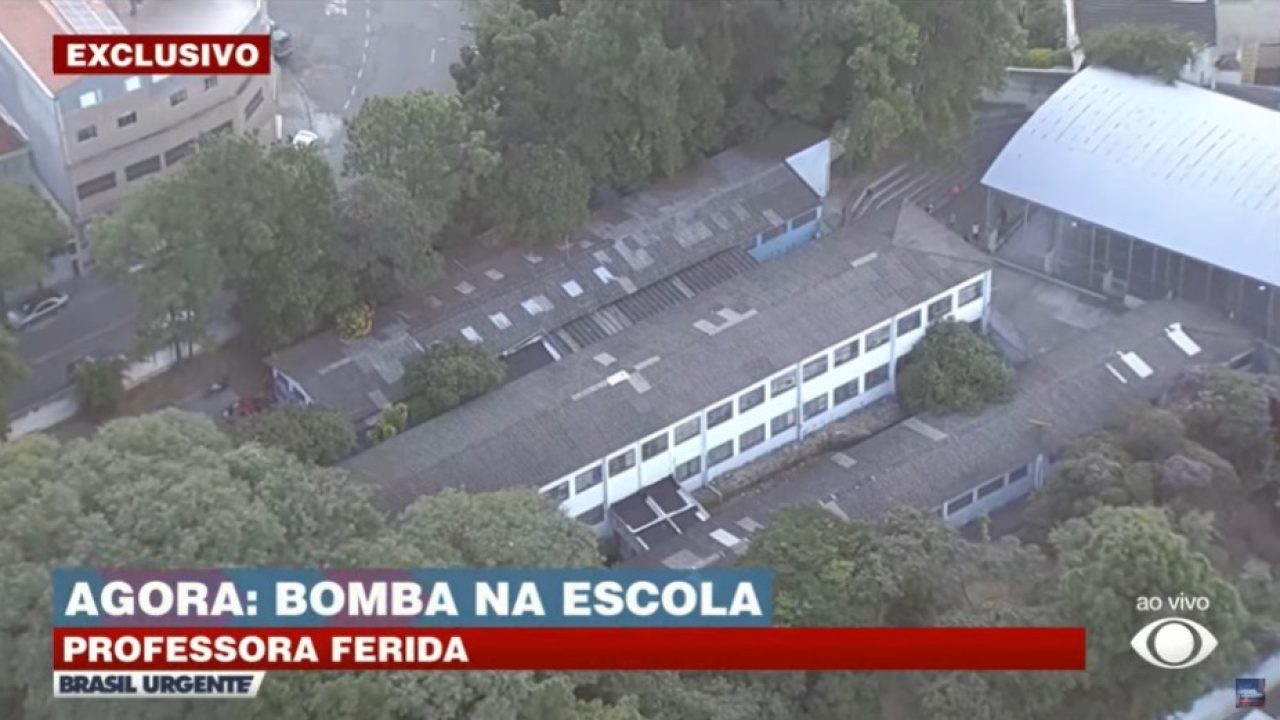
668	405
94	138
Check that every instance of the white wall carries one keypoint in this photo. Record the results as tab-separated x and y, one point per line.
663	464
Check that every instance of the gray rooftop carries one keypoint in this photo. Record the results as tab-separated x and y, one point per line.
1068	392
552	421
1194	17
513	297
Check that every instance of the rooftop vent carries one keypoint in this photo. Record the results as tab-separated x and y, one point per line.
1182	340
724	537
465	288
500	320
572	288
1136	364
471	335
494	274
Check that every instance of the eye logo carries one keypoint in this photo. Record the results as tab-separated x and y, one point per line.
1174	643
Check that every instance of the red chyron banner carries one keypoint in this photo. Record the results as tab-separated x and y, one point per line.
161	54
341	648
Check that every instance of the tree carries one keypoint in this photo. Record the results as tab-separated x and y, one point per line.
12	370
386	239
953	369
1110	559
1153	434
449	375
1229	412
1092	473
31	230
315	435
1045	24
99	385
544	194
1144	50
432	144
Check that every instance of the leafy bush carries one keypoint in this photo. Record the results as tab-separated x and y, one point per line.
393	420
355	322
953	370
448	376
99	385
316	435
1153	51
1038	58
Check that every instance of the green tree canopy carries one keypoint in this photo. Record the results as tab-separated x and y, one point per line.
99	385
312	434
1141	50
1229	412
449	375
387	239
953	369
12	370
30	231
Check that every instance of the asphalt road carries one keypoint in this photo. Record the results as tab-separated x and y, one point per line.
346	51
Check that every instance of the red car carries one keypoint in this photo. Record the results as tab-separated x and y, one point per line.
246	406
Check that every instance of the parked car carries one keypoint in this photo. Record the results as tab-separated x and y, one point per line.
303	138
36	308
246	406
281	42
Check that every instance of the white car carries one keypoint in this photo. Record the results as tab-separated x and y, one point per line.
303	138
37	308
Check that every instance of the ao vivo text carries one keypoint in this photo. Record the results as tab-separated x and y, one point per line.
161	54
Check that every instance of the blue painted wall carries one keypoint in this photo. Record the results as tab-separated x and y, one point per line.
788	241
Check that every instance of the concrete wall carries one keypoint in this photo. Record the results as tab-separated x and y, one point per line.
35	112
1241	22
1029	87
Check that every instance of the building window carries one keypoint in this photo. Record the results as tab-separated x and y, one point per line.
653	447
587	479
223	128
960	503
939	308
688	429
909	322
815	407
100	184
750	399
89	99
132	83
178	98
846	392
253	105
990	488
127	119
782	423
142	168
751	438
805	219
878	377
877	337
719	453
211	82
174	154
814	368
970	293
619	464
592	517
1018	475
686	470
717	415
782	383
557	493
772	233
845	353
87	133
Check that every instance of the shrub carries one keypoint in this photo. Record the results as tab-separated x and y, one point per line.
1152	50
99	385
1038	58
953	370
316	435
393	420
355	322
448	376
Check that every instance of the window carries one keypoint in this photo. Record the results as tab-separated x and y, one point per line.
960	503
87	133
750	399
990	488
717	415
223	128
587	479
132	83
845	353
878	377
846	392
751	438
142	168
782	383
970	293
686	470
782	423
557	493
619	464
815	407
654	447
178	98
814	368
592	517
805	219
100	184
178	152
127	119
909	322
253	105
877	337
719	453
939	308
89	99
211	82
688	429
1018	475
772	233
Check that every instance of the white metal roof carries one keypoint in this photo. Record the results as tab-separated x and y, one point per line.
1179	166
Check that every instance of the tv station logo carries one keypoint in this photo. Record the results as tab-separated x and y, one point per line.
161	54
1173	643
1251	693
